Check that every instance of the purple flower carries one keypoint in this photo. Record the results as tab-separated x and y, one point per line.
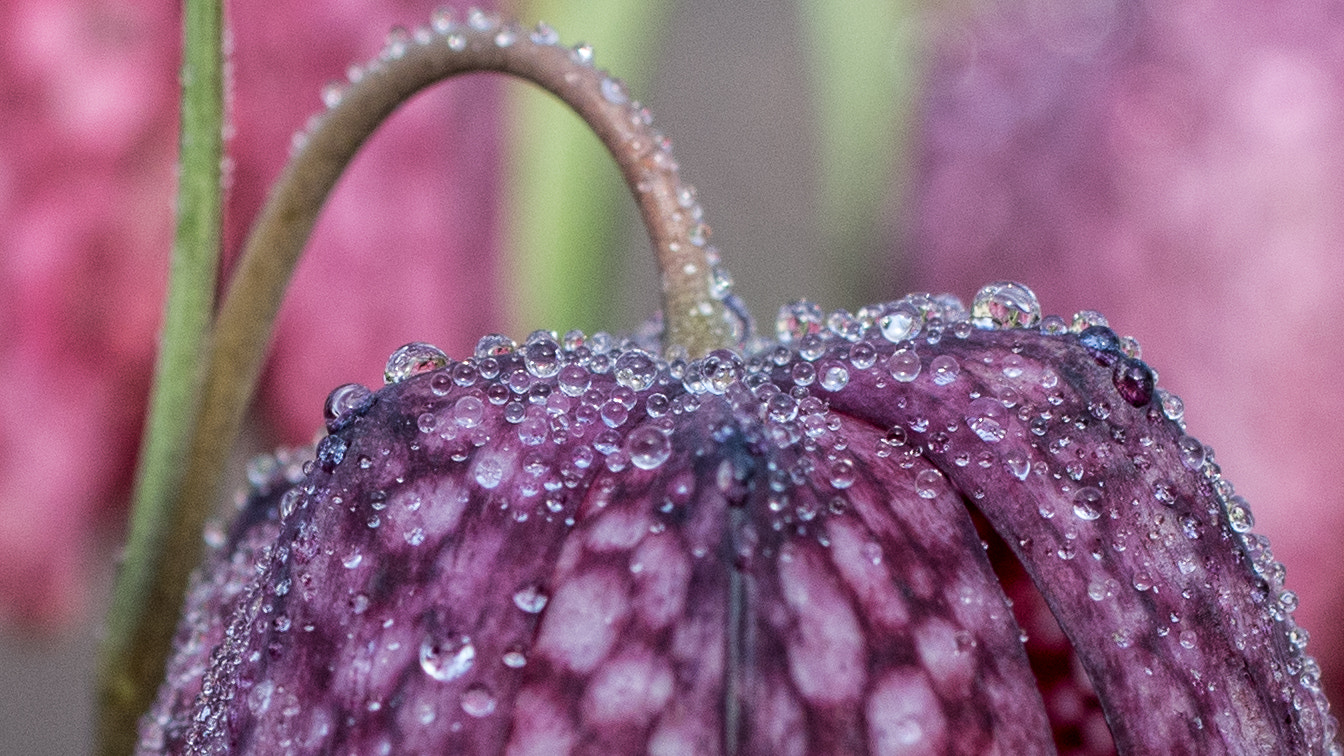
576	547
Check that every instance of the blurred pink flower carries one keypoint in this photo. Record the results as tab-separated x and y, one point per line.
1177	167
87	150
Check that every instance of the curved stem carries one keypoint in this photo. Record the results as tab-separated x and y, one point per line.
695	318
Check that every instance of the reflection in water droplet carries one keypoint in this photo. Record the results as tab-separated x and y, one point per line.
1005	304
344	404
904	365
988	419
413	359
929	483
447	659
944	369
1087	504
648	447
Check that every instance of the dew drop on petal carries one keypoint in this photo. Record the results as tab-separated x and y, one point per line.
988	419
944	369
1005	304
904	365
542	358
413	359
797	320
447	659
900	322
468	411
478	701
929	483
1087	504
636	370
1191	452
648	447
834	376
344	404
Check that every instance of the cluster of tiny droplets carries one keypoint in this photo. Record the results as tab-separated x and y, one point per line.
446	30
545	386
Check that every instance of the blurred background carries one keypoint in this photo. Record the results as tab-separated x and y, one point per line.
1172	164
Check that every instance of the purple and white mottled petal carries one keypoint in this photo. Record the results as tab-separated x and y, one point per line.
876	624
1080	472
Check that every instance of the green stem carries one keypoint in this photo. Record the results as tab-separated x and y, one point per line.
695	319
127	678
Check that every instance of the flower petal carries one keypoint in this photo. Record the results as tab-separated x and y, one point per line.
1118	517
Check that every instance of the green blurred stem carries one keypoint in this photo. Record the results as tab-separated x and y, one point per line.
131	664
169	543
865	63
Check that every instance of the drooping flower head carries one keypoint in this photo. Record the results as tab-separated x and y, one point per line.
600	545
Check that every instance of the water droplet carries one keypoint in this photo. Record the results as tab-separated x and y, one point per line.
494	345
415	536
900	322
842	474
944	369
781	408
1191	452
797	320
480	20
1005	304
1085	319
904	365
648	447
488	472
1239	514
834	376
1134	381
1087	503
332	92
542	358
468	411
344	404
506	37
929	483
573	380
515	659
636	370
447	659
544	35
426	422
413	359
442	20
583	54
613	91
1188	638
988	419
862	356
1018	463
478	701
352	560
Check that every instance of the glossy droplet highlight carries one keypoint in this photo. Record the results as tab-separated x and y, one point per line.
447	659
344	404
944	369
1087	504
648	447
928	484
988	419
531	598
904	365
636	370
1005	304
478	701
413	359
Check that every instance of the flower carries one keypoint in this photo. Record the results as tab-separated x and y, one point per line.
576	544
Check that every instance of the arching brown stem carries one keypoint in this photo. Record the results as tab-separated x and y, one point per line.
695	319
